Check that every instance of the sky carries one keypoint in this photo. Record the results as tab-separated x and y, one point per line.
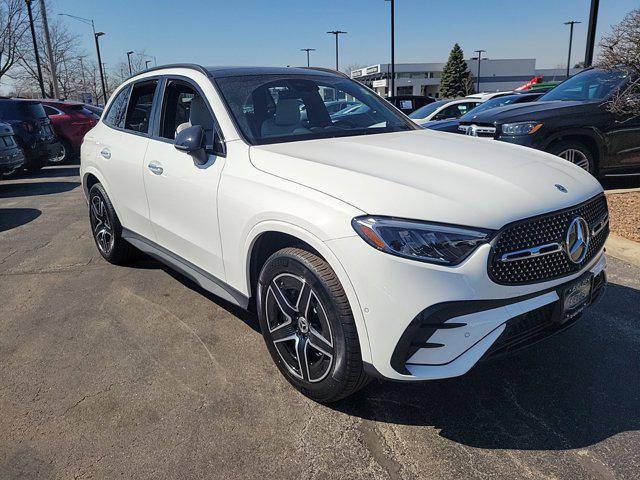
272	32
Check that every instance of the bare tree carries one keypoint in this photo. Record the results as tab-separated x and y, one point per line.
66	57
14	26
621	52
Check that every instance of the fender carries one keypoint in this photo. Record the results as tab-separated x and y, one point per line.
331	259
592	132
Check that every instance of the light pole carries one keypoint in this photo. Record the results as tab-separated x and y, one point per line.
393	48
571	24
146	63
89	21
35	48
337	33
479	52
591	32
308	50
129	60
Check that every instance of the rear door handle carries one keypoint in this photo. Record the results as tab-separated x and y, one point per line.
105	153
155	168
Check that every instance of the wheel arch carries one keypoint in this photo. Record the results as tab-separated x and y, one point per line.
270	236
592	139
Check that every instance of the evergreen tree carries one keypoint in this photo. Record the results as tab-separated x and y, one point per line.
455	75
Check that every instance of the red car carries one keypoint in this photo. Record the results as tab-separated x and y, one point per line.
71	121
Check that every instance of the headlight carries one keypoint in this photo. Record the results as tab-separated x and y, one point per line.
521	128
426	242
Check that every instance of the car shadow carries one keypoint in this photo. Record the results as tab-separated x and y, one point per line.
15	217
249	318
572	391
13	190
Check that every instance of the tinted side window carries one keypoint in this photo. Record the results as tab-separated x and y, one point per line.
139	110
176	108
50	110
118	108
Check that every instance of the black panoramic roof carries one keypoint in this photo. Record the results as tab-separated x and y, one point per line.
227	71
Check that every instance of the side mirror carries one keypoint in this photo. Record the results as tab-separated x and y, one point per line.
191	140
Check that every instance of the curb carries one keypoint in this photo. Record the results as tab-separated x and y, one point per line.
618	191
623	249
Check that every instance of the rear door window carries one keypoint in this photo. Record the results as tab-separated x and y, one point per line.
21	110
118	108
140	106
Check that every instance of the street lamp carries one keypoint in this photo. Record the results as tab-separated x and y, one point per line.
393	48
146	63
337	33
89	21
308	50
571	24
129	60
479	52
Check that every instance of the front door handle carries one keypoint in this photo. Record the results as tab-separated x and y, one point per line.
105	153
155	168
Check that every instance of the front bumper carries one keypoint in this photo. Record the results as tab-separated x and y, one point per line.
428	321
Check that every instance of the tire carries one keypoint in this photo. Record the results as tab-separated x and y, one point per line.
318	350
107	230
575	152
66	156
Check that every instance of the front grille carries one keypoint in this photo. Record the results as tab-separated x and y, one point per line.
544	230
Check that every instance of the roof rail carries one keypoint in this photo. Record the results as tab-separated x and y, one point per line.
192	66
328	70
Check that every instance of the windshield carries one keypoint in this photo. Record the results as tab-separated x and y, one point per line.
495	102
588	85
424	112
266	108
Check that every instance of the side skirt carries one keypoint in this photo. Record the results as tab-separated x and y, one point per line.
204	279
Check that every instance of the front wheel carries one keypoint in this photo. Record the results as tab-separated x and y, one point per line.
576	153
308	326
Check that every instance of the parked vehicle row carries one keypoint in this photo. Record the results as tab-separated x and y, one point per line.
43	131
368	248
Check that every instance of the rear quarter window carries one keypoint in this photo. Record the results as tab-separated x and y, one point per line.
118	109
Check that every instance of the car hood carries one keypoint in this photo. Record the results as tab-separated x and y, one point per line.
442	124
526	111
429	175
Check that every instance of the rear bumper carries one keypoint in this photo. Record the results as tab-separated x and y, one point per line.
11	160
41	153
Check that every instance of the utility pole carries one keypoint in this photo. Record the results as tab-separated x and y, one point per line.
591	33
129	60
47	39
337	33
571	24
479	52
393	48
308	50
35	49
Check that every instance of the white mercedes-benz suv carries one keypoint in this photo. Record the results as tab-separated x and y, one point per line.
366	245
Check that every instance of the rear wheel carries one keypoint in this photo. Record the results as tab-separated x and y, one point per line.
66	154
574	152
106	228
308	326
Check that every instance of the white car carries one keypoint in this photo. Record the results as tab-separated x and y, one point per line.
483	97
443	110
380	250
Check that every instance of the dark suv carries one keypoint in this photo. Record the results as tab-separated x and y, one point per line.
32	129
11	157
571	121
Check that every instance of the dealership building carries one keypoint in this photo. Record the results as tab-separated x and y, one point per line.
424	78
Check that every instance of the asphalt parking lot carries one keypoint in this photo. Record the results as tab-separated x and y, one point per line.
112	372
